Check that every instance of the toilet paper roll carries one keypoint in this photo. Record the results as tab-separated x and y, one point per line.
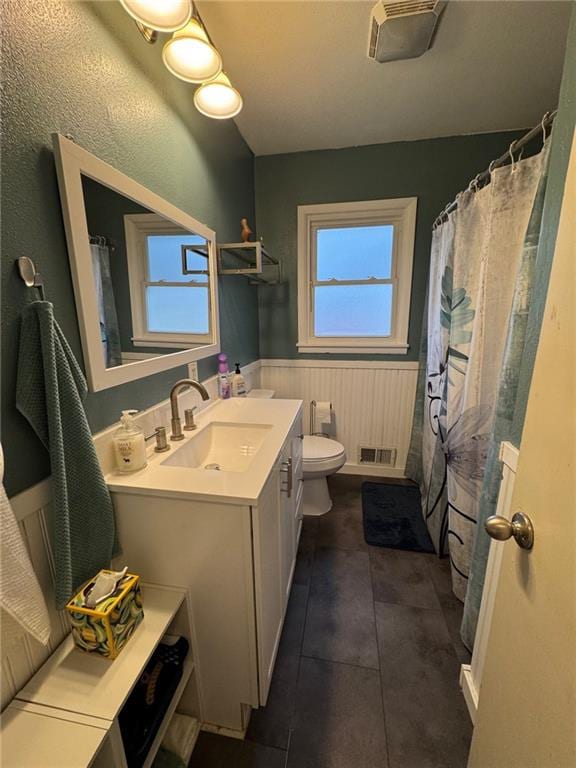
323	416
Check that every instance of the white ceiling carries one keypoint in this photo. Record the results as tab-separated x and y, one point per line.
308	84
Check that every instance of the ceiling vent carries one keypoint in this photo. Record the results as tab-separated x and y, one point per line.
402	29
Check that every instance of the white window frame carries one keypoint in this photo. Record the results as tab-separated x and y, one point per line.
398	212
137	227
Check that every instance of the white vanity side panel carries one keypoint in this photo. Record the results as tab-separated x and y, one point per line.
268	536
205	548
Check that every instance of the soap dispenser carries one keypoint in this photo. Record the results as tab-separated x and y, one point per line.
129	444
238	383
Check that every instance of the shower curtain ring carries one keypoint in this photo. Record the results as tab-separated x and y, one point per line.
511	155
543	126
473	186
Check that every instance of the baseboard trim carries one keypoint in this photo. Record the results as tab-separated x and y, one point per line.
372	470
469	691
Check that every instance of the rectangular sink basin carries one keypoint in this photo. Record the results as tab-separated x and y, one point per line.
221	446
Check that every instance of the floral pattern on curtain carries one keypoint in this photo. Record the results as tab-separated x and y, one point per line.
476	277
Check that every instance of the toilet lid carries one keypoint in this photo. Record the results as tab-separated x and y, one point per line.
315	448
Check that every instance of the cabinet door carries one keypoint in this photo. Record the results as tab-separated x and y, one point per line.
291	502
287	518
268	537
298	480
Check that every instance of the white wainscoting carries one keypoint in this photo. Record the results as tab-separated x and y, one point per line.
21	655
373	402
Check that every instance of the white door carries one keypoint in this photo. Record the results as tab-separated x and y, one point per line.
527	704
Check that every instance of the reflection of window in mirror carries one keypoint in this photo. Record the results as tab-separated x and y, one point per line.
169	283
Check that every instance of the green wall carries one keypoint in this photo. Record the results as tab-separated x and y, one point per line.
82	68
562	139
433	170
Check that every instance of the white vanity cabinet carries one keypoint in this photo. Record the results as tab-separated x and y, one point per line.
235	559
277	522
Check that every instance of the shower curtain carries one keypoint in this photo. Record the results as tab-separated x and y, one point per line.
478	295
109	332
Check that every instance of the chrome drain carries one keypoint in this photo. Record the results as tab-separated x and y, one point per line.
213	466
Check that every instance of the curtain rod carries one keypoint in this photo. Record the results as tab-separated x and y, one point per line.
483	178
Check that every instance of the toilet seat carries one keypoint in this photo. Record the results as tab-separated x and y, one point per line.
322	454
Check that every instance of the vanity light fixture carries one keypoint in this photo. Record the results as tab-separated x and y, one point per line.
190	55
153	16
218	98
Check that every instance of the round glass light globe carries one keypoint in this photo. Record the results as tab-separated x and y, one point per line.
162	15
218	99
190	56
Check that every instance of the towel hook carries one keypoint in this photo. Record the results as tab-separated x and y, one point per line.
29	275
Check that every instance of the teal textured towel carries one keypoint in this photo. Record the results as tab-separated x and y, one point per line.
50	389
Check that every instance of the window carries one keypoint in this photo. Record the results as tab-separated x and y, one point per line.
169	283
354	276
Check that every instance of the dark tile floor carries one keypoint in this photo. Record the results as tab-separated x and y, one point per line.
367	669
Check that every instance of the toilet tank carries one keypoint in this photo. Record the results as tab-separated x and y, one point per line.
264	394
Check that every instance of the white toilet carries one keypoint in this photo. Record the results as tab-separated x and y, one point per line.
322	456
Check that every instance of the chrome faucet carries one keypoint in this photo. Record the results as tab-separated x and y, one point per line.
177	433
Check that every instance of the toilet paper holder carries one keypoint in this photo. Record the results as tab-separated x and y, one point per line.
313	404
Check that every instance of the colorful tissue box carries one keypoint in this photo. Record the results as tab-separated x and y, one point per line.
107	628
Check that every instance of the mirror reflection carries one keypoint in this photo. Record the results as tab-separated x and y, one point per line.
151	277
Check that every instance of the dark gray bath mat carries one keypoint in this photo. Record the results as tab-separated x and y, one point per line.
392	517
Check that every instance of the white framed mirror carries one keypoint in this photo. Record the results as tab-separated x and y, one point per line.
144	272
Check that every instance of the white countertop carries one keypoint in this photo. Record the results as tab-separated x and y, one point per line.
157	479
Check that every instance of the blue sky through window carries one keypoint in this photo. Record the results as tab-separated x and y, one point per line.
172	309
353	310
165	257
353	253
177	310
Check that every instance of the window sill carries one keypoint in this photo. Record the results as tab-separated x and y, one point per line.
162	343
390	348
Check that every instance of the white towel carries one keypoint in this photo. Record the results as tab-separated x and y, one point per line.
20	594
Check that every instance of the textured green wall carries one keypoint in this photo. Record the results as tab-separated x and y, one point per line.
433	170
82	68
562	139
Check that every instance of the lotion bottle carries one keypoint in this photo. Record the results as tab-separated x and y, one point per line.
223	377
238	383
129	444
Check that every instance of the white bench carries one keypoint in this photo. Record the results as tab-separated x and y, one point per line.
67	714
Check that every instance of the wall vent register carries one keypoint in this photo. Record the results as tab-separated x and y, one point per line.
382	456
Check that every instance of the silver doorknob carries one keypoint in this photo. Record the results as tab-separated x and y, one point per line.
520	527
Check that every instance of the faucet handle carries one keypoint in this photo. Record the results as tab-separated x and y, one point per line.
189	418
161	442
